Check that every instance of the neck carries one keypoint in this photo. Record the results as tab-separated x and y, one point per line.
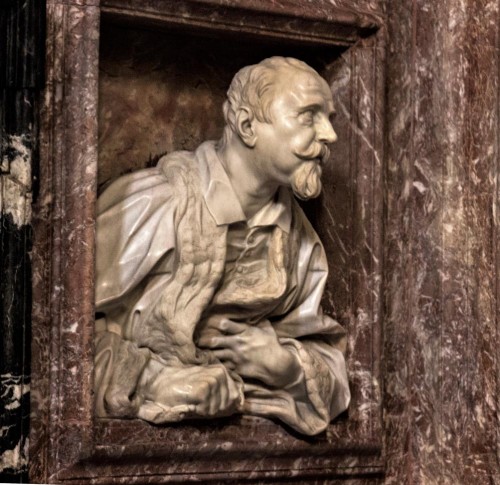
248	182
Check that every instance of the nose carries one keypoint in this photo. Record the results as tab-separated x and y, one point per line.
324	131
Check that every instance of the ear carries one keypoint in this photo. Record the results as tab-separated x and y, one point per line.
245	126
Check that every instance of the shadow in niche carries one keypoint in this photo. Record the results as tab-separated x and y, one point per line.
321	437
163	91
216	424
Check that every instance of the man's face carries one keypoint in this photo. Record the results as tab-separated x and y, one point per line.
292	148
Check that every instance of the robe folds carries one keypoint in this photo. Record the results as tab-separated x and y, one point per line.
162	272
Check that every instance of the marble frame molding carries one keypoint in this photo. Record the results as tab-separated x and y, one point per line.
66	443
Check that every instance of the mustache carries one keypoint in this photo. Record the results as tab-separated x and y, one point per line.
316	150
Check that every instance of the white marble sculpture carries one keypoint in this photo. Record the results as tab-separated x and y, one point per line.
209	275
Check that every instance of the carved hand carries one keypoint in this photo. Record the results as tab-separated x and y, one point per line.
254	352
207	391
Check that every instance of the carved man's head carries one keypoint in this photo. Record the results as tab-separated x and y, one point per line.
280	109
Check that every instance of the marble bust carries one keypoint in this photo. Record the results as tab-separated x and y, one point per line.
209	276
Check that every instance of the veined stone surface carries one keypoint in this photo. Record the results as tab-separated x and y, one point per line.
21	74
440	268
441	261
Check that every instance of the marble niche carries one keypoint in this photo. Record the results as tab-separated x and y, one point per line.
155	86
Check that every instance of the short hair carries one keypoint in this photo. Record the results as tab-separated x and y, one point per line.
253	87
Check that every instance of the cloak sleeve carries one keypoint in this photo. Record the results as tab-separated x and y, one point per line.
135	229
134	233
159	257
319	343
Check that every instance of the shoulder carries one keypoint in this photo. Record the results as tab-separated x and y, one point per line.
165	181
179	168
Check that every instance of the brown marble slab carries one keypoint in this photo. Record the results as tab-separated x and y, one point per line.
431	295
144	85
441	328
63	258
316	23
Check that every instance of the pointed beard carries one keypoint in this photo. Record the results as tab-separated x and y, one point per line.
306	180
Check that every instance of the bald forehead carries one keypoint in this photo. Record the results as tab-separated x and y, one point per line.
290	77
299	89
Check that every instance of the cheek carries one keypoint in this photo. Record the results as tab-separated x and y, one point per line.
303	139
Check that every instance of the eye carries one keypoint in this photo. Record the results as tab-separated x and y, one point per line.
307	117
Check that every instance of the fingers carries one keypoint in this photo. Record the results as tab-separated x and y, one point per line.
218	394
229	364
229	398
232	328
207	334
217	342
225	354
235	394
209	392
222	324
211	323
228	358
208	341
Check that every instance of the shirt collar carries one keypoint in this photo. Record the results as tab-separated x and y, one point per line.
223	203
